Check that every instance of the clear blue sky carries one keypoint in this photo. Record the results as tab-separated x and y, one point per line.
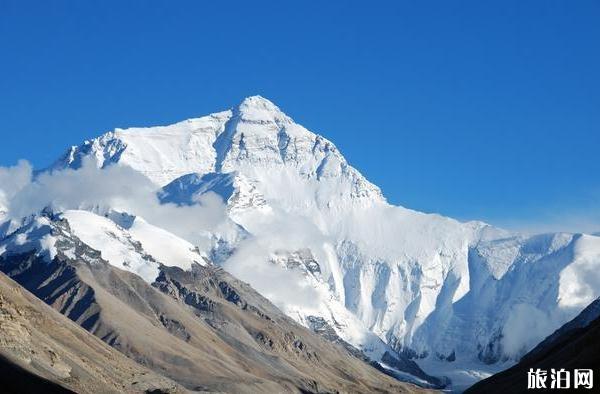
471	109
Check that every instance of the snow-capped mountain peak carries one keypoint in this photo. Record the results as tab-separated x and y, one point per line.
254	138
260	109
429	286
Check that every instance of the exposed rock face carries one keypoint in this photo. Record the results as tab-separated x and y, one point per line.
42	351
200	327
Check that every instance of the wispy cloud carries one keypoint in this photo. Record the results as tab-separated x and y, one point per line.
116	187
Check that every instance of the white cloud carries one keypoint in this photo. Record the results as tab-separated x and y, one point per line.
13	179
276	232
525	327
123	189
115	187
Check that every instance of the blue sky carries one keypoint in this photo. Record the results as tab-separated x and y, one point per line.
465	108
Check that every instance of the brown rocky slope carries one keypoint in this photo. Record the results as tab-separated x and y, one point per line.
41	351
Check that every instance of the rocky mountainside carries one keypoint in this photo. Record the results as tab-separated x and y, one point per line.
41	351
196	325
576	345
463	299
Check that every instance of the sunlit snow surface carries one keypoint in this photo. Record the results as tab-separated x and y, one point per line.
387	276
128	249
34	235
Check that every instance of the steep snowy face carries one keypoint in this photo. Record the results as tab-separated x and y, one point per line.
36	235
161	153
139	247
255	139
237	191
514	298
133	245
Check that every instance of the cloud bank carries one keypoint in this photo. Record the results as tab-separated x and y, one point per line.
117	188
123	189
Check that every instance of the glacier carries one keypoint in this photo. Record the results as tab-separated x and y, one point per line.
463	299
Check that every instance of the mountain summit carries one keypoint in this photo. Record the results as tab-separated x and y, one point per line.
258	108
253	136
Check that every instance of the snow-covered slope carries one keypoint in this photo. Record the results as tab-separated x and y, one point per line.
573	346
160	153
140	248
454	295
122	246
233	188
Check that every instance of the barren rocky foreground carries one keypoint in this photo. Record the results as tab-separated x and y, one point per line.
41	351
